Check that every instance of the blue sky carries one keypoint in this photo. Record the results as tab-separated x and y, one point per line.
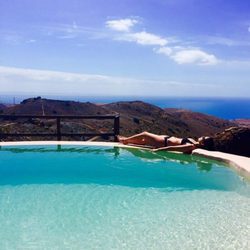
125	47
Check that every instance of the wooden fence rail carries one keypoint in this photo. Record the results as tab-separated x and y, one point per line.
58	118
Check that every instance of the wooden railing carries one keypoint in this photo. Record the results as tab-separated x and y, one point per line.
58	118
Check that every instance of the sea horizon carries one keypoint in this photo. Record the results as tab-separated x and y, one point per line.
223	107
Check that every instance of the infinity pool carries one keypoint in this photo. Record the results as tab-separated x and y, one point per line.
75	197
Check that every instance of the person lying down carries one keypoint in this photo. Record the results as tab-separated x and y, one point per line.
165	142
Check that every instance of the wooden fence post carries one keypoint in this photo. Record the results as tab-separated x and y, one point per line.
58	128
116	127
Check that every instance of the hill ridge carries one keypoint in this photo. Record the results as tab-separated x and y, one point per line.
135	116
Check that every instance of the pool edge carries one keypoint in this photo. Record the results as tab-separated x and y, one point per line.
240	163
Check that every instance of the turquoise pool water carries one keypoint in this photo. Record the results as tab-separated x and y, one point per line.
72	197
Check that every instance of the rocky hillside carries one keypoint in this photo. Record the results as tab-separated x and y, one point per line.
135	117
242	122
138	116
199	123
235	140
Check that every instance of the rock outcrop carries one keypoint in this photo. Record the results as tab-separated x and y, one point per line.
235	140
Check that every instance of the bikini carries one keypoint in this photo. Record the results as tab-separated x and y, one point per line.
186	140
183	141
166	140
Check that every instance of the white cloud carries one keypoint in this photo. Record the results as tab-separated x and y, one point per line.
44	75
175	49
187	56
167	51
249	29
195	56
123	25
44	82
16	81
145	38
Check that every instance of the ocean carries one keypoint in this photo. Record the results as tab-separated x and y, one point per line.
226	108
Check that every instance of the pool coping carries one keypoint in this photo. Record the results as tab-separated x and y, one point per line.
240	163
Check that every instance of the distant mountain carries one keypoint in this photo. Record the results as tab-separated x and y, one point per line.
39	106
135	117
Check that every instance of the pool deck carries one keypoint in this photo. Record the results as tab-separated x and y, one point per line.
239	163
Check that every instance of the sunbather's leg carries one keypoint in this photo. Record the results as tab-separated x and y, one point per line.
134	139
144	138
122	139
